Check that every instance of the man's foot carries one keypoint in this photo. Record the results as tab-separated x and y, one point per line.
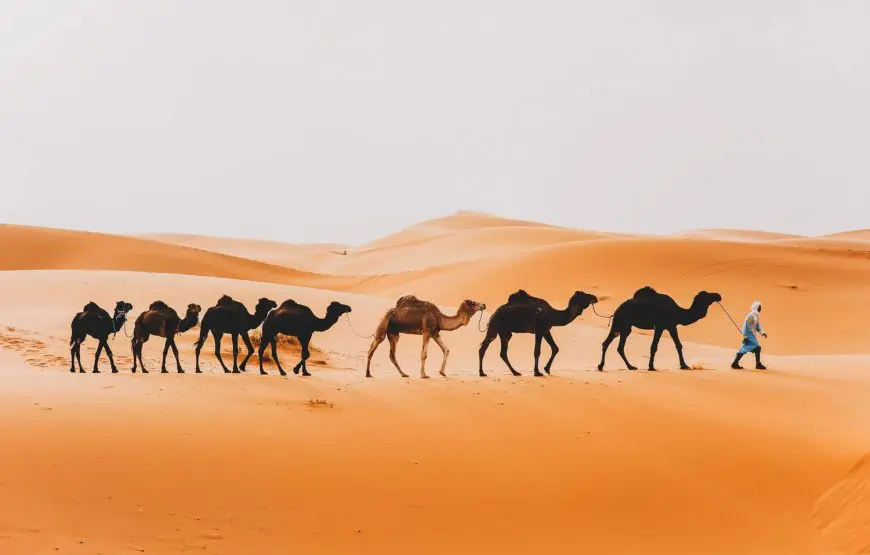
760	366
736	366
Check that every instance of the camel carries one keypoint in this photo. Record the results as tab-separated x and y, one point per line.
292	318
97	323
648	309
524	313
231	316
417	317
162	321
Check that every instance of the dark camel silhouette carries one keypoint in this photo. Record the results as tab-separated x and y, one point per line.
297	320
231	316
648	309
524	313
417	317
162	321
97	323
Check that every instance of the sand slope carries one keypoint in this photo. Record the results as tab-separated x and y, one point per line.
702	461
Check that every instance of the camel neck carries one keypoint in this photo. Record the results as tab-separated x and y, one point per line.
323	324
450	323
254	320
694	313
565	317
188	322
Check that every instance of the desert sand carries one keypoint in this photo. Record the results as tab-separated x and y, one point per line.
705	461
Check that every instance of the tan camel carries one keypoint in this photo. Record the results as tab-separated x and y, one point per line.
417	317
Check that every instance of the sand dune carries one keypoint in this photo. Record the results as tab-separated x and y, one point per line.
704	461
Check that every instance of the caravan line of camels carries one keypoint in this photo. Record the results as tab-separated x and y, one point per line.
647	309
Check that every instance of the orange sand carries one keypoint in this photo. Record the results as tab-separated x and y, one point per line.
704	461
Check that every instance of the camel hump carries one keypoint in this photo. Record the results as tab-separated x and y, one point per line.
225	300
158	305
646	293
520	296
91	306
290	303
410	300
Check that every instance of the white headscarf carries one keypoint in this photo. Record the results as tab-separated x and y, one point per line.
755	306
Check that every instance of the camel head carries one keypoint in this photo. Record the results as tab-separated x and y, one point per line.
337	308
193	310
705	298
122	308
470	307
264	305
581	300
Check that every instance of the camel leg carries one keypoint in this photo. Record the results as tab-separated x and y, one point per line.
174	348
605	345
111	358
137	352
203	335
235	337
247	340
275	356
163	369
679	345
97	356
484	345
73	350
445	351
554	350
505	338
538	338
260	351
217	350
657	335
623	337
304	341
394	339
424	354
133	348
377	340
79	356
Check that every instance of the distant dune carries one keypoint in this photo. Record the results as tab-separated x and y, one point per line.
709	460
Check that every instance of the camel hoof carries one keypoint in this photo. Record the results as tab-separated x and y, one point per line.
96	371
73	370
424	377
538	374
651	369
144	371
684	367
368	375
81	370
236	371
198	371
516	373
632	367
181	370
482	375
263	372
164	371
601	368
227	371
283	373
114	370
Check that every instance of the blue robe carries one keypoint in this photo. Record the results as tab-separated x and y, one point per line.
751	325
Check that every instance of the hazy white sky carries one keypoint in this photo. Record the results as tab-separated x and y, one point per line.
342	120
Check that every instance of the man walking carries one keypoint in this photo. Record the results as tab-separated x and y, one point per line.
751	325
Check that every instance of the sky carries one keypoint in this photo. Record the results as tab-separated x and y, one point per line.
343	121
